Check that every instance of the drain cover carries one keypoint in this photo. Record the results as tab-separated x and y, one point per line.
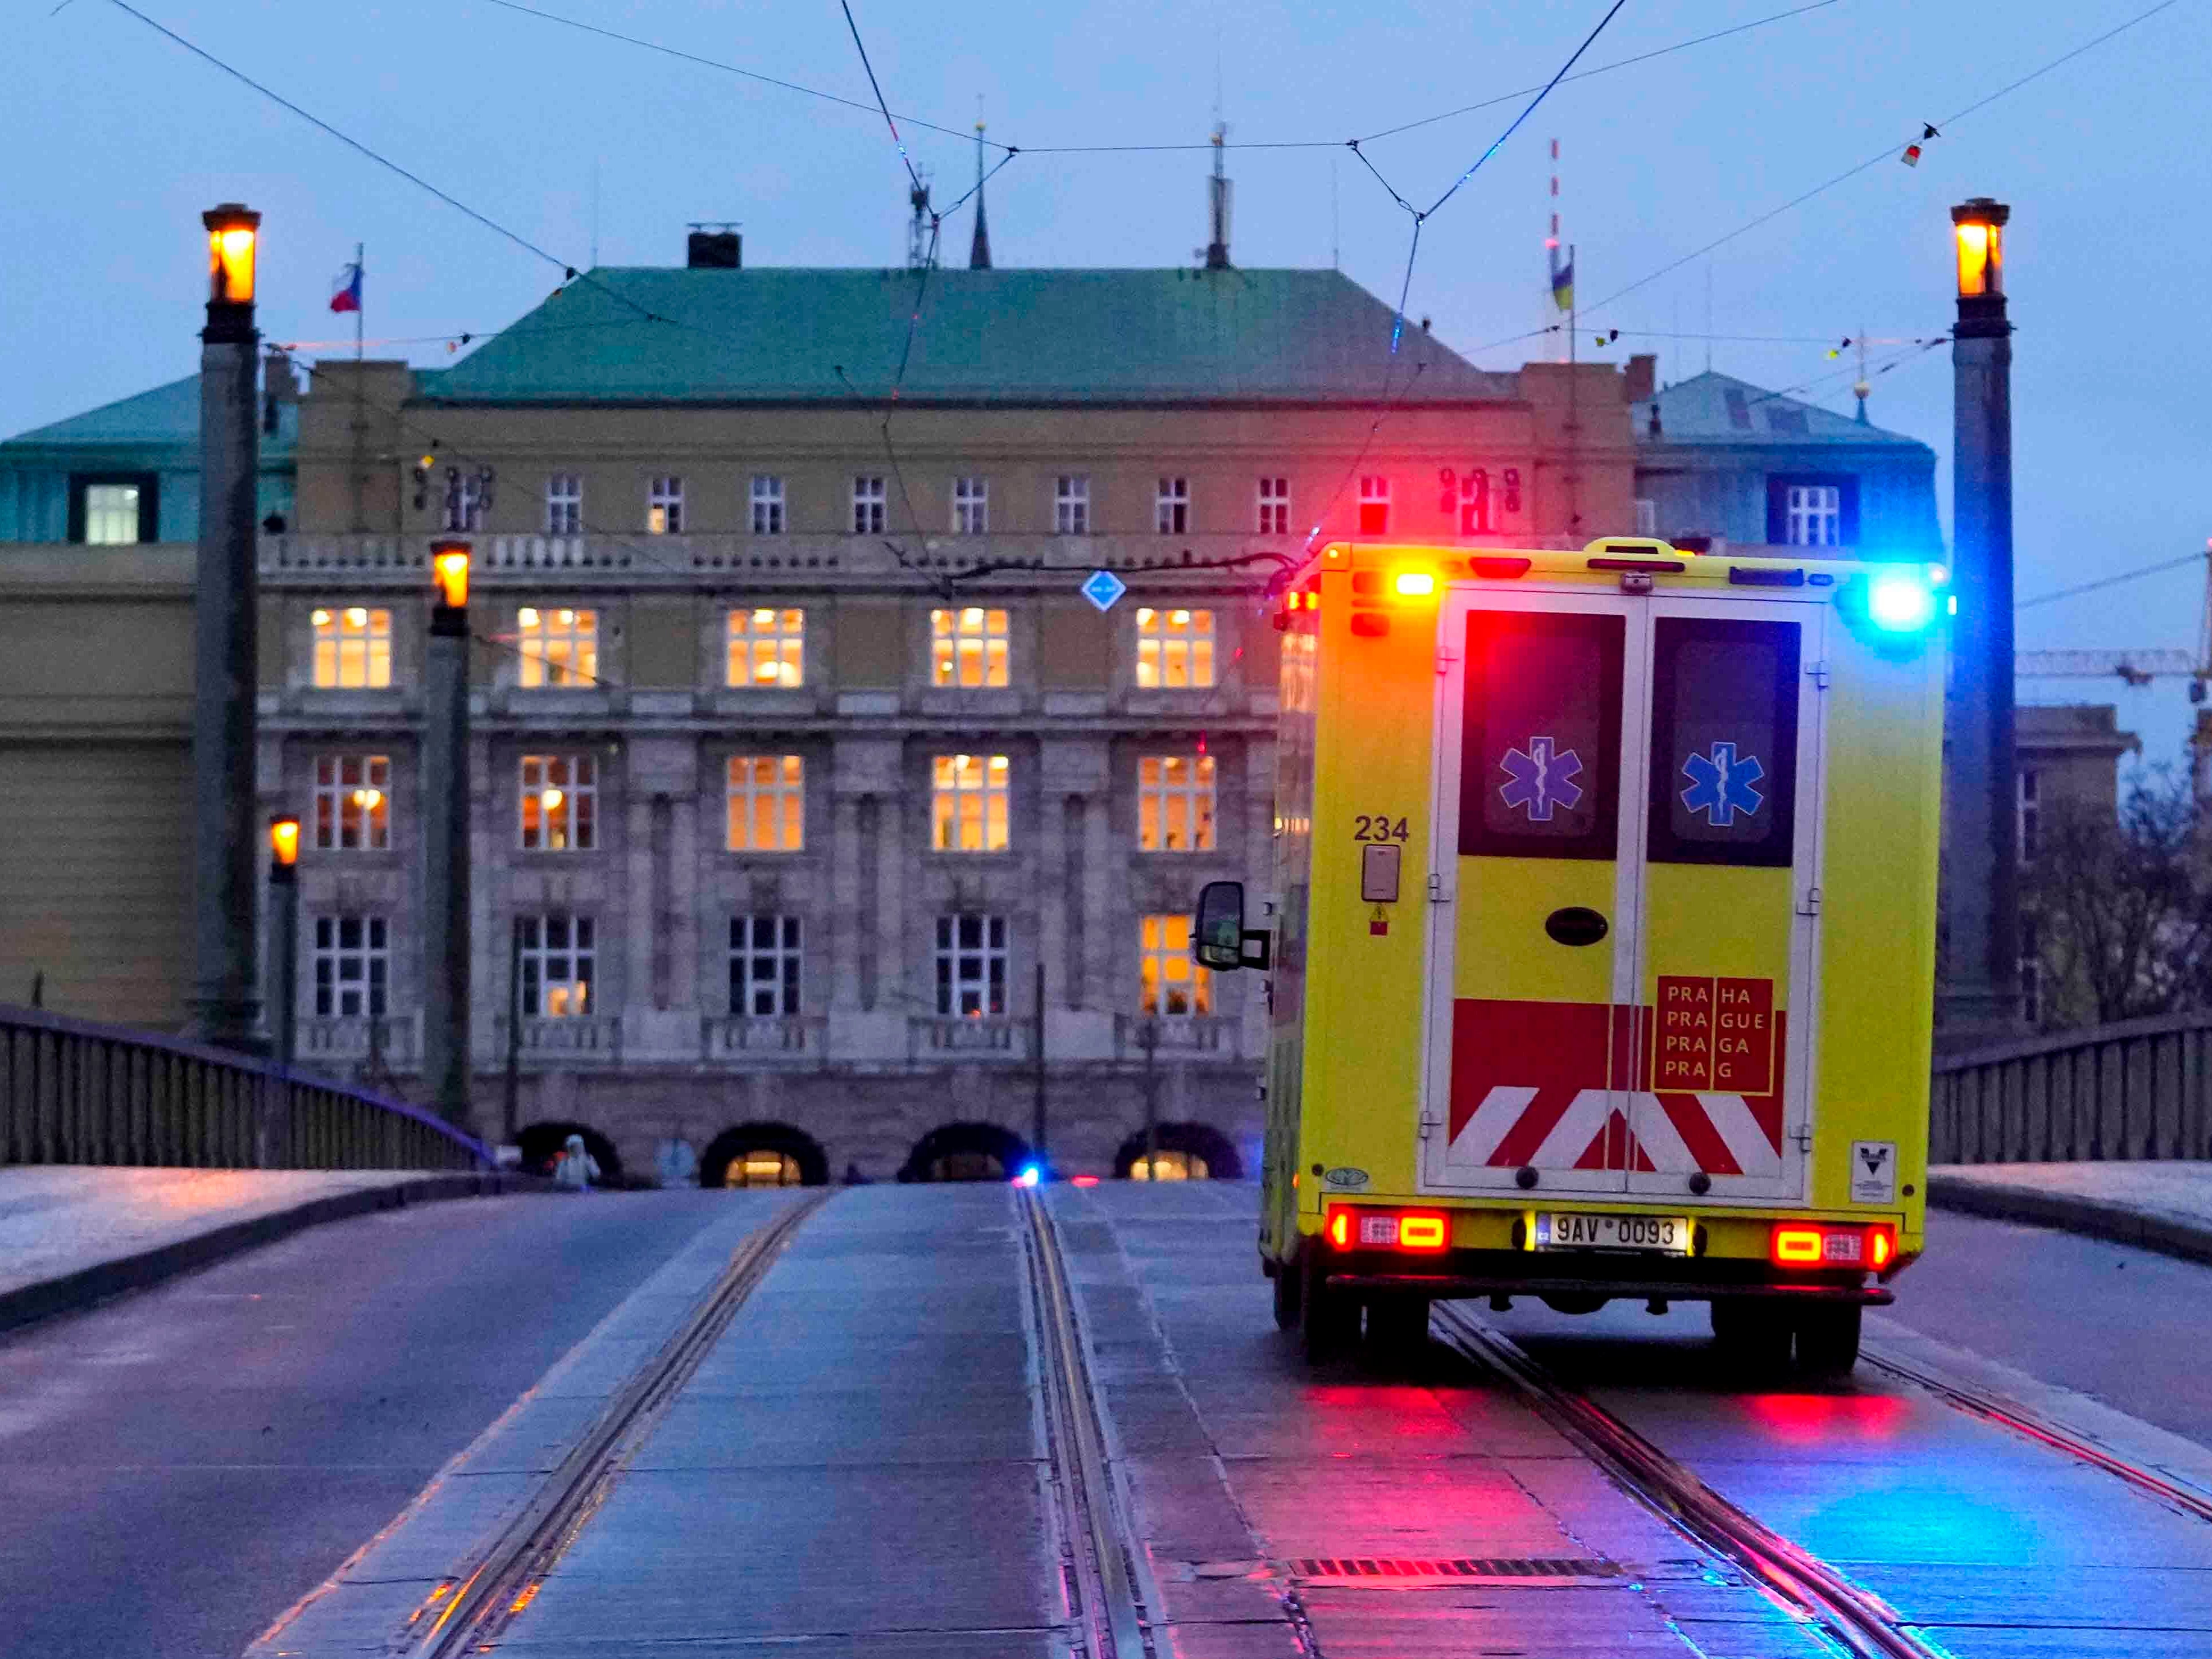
1540	1568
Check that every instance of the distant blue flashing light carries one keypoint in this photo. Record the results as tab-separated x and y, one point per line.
1030	1174
1900	604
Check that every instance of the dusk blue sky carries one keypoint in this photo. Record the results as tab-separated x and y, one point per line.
119	138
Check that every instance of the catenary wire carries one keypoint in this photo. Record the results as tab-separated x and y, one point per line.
876	86
2135	575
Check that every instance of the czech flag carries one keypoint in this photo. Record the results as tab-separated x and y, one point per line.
345	289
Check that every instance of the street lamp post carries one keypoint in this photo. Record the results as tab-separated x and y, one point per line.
1979	994
225	977
445	1049
284	931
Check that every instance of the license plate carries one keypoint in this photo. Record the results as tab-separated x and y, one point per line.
1571	1230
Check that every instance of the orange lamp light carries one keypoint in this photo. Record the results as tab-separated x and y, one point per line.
284	840
1979	228
233	231
1414	584
449	568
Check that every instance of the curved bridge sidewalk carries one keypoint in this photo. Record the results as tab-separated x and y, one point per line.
2163	1205
73	1235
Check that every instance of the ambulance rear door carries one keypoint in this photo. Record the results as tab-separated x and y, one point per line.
1729	898
1538	829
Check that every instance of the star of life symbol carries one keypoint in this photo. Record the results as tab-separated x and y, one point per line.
1537	780
1720	787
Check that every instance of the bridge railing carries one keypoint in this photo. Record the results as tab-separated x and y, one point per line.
2140	1089
73	1092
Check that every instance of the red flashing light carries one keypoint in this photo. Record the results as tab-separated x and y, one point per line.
1374	1227
1825	1244
1797	1247
1339	1229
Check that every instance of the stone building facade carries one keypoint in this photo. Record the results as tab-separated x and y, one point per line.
807	789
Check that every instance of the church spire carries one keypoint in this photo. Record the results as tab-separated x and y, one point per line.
979	249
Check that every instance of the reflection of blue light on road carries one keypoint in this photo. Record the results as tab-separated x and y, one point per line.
1030	1175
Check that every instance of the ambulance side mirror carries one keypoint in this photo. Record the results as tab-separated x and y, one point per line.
1220	939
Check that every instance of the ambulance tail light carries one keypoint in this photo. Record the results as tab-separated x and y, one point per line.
1816	1244
1424	1232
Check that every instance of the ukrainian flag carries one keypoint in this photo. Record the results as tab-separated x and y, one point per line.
1563	281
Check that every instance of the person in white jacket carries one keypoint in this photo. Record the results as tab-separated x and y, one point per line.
575	1167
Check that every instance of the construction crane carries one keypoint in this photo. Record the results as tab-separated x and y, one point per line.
2137	667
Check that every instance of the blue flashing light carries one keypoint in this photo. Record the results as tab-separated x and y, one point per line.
1900	604
1030	1175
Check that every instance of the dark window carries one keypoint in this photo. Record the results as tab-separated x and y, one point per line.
1540	760
1739	410
1724	741
106	507
1790	421
1812	509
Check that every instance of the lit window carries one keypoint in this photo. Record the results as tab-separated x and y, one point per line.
971	506
764	964
1175	803
767	504
968	647
353	803
2027	794
1173	986
353	959
1474	503
1374	504
766	647
1812	515
968	802
353	649
564	504
1071	504
971	965
868	504
1175	649
1274	507
664	507
763	1167
767	804
559	647
560	803
556	951
110	513
1170	1166
1171	509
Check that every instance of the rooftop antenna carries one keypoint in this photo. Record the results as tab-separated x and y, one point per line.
979	248
595	213
1708	316
1218	198
1862	386
1335	223
917	230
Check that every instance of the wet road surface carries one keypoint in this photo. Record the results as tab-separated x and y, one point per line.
864	1464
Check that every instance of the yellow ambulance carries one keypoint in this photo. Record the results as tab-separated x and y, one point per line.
1600	957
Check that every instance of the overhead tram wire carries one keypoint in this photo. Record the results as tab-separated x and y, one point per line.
2137	575
1886	153
570	272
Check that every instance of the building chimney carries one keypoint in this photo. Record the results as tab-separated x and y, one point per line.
1643	376
717	247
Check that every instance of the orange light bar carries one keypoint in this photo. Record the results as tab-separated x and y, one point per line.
1423	1232
1413	584
1795	1247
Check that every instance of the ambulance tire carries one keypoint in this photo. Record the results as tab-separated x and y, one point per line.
1289	1283
1397	1326
1752	1335
1328	1320
1828	1340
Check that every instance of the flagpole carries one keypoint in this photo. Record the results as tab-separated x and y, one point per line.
1574	426
361	287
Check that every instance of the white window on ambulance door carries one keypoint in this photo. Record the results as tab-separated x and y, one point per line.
1540	771
1724	741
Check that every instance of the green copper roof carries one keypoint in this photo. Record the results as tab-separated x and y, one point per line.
1718	409
1009	336
166	418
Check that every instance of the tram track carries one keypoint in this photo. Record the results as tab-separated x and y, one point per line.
479	1601
1102	1550
1862	1622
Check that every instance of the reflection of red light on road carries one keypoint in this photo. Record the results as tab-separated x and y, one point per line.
1808	1420
1086	1181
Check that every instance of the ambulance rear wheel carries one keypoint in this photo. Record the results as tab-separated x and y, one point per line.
1828	1339
1289	1283
1752	1333
1329	1319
